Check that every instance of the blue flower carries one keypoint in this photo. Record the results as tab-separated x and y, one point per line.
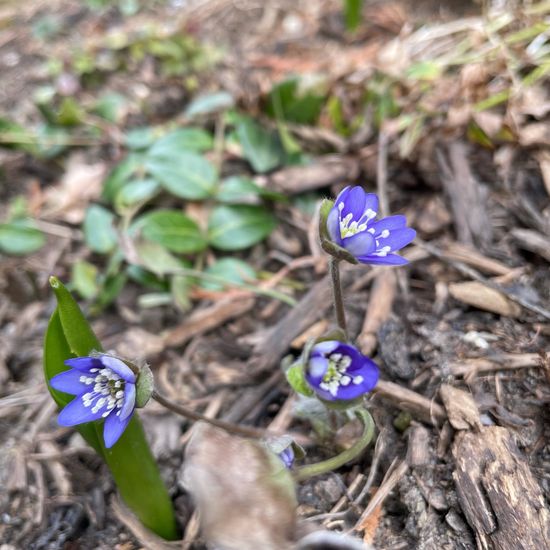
351	225
339	372
105	388
287	456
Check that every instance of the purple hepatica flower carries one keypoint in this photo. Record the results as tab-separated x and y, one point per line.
287	456
105	388
339	372
351	225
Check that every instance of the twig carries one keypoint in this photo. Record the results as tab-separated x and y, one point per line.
473	274
382	173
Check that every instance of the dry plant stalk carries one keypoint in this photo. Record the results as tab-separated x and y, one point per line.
478	295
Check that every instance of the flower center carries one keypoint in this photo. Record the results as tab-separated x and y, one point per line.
336	374
108	391
348	228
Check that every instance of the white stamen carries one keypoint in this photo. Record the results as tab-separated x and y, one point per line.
385	233
358	379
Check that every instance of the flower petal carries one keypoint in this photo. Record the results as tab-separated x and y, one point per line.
342	196
399	238
322	348
389	259
69	382
390	223
371	207
354	203
360	244
76	413
333	225
84	363
114	427
129	401
118	366
316	369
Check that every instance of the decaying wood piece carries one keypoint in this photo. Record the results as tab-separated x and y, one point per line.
425	409
378	310
478	295
461	408
325	171
470	256
269	350
467	201
207	319
532	241
501	361
500	497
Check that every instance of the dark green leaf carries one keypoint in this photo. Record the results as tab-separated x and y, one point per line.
292	102
173	230
136	192
261	147
145	278
186	175
231	270
183	140
352	14
20	237
237	189
99	232
120	175
240	226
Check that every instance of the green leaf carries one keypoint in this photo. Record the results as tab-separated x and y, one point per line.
232	270
209	103
182	140
111	106
84	279
20	237
261	147
145	278
185	175
120	175
293	101
180	285
136	192
237	189
140	138
352	14
98	228
70	113
56	351
296	378
239	226
130	460
173	230
157	259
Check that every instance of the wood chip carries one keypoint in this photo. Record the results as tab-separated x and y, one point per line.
425	409
470	256
461	408
532	241
478	295
207	319
379	308
497	492
418	450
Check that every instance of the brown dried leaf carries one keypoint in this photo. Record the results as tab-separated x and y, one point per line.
478	295
244	495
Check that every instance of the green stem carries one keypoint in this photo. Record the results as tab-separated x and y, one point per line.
334	270
311	470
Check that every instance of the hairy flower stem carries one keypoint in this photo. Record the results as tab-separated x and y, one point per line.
311	470
247	431
334	270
